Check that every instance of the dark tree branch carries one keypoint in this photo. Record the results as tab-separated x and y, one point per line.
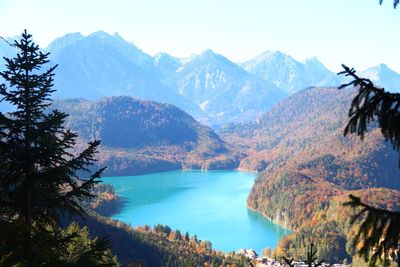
379	230
373	103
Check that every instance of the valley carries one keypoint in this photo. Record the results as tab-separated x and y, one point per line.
272	115
306	167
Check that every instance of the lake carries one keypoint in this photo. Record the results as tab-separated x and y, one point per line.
209	204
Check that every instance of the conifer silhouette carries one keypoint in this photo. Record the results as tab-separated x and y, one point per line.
379	233
38	169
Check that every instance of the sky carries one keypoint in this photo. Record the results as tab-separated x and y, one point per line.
359	33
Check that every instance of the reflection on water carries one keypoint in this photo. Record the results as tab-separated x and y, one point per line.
210	204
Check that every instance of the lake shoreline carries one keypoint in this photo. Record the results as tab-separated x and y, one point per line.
199	194
145	172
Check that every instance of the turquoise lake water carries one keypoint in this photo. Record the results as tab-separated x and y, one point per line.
210	204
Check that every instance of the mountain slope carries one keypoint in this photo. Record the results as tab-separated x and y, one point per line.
142	136
288	74
166	63
223	90
310	169
383	76
101	65
60	43
158	246
5	51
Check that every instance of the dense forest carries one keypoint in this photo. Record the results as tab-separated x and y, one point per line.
310	168
141	136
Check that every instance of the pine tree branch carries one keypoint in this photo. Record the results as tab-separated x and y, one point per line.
373	103
379	231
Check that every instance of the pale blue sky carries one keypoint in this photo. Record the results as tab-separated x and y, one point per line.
359	33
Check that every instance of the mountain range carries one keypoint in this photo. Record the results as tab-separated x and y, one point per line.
222	89
384	77
207	86
102	65
210	87
288	74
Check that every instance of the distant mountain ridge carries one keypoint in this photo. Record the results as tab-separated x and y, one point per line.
288	74
384	77
208	86
223	89
5	51
106	65
101	65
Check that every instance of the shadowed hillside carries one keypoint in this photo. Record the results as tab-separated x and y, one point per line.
143	136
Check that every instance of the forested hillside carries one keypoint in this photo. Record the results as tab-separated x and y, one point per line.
158	246
310	169
142	136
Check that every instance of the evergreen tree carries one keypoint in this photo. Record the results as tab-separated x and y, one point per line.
83	251
379	232
38	168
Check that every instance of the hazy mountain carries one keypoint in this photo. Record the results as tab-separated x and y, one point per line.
6	50
319	75
166	63
288	74
208	86
222	89
384	77
60	43
143	136
101	65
